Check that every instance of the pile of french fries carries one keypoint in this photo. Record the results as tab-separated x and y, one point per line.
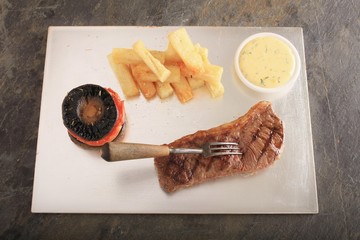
181	68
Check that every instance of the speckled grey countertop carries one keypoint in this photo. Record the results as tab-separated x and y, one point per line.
332	45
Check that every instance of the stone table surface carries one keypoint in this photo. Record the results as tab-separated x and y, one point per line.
332	46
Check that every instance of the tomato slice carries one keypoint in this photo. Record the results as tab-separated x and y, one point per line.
114	132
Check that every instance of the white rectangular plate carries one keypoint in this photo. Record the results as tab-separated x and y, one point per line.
69	179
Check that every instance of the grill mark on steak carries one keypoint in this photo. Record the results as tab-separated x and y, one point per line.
193	169
208	166
256	135
267	143
259	134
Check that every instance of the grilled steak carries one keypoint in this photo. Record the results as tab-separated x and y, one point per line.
260	135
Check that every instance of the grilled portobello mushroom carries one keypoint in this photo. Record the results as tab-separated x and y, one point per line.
93	115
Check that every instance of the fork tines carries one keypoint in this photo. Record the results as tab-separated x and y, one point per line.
224	148
223	143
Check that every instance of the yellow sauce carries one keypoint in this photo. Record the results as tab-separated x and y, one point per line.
267	62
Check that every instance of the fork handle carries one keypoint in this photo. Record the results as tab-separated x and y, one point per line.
113	151
186	151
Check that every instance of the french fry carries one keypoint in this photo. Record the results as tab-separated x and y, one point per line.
159	55
154	64
147	88
184	70
216	89
204	53
123	75
213	73
171	56
182	90
175	73
212	78
181	68
125	56
143	73
184	47
163	90
195	83
129	56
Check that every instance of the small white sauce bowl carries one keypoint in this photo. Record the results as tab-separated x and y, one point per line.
259	89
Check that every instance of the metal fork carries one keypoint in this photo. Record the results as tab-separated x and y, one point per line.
126	151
